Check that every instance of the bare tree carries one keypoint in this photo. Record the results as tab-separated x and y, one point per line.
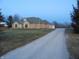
10	21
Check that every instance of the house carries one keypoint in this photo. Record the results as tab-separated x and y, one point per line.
3	26
32	23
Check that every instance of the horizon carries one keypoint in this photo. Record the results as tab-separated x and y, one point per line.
50	10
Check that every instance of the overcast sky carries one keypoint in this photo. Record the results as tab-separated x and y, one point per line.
52	10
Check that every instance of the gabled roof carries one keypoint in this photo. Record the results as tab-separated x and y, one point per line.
34	20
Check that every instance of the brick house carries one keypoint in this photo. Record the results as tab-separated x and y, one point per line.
27	23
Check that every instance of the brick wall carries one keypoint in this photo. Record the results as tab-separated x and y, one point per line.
32	26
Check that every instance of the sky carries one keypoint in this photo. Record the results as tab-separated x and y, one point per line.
51	10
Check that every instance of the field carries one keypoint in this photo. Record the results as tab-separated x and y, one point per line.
11	39
73	44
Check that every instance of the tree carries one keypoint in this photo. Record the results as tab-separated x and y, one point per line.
55	23
67	25
1	17
16	17
59	25
10	21
75	18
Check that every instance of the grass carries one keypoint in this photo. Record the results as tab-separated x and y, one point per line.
73	44
11	39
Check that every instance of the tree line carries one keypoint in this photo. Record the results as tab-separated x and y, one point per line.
75	18
9	20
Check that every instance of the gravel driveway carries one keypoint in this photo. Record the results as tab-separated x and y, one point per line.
51	46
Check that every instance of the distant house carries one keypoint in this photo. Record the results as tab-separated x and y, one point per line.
32	23
3	24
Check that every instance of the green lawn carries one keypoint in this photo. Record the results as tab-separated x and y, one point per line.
11	39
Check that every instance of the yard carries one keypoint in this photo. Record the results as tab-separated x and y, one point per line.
73	44
11	39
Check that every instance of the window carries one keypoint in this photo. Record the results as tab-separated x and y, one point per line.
26	25
15	25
